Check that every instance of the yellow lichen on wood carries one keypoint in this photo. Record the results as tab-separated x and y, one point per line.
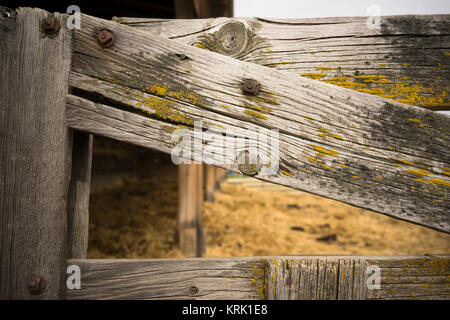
287	173
263	109
420	172
326	151
158	90
434	181
409	163
405	92
162	109
440	182
312	75
254	114
326	68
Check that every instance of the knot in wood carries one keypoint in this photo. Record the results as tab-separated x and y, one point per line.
248	165
37	285
232	38
193	290
50	25
251	87
105	38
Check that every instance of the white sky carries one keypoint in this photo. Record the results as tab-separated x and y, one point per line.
333	8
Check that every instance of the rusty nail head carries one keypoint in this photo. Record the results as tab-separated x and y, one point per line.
36	285
105	38
193	290
251	87
50	25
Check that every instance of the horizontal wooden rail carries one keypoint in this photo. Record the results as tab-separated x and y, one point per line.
361	149
405	59
294	277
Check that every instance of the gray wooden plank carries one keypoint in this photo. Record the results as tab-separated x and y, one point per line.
406	59
35	154
282	277
78	196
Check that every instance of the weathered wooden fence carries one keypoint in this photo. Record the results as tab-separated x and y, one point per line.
365	146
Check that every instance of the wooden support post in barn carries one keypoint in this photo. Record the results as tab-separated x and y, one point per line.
219	176
210	172
188	9
35	150
78	196
190	231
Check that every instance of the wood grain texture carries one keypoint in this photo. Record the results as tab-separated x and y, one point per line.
406	59
190	231
35	154
293	277
357	148
346	278
78	196
169	279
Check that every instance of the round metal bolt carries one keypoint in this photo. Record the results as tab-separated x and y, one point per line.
247	166
251	87
193	290
50	25
105	38
36	285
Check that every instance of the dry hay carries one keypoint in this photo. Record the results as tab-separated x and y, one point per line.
138	220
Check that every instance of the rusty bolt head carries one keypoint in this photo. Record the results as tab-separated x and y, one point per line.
251	87
193	290
50	25
105	38
36	285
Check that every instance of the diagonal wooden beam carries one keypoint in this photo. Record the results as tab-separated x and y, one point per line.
378	154
406	59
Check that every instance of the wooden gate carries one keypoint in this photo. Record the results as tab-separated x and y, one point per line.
357	136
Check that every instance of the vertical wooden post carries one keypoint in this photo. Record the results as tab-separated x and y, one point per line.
219	176
210	182
192	243
190	233
78	196
35	156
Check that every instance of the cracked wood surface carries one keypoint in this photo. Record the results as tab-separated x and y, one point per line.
353	147
277	278
406	59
